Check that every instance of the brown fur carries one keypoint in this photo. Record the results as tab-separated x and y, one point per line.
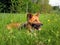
13	25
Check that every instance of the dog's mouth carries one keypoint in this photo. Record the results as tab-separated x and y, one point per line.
36	26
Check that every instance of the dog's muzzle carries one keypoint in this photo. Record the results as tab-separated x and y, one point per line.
36	26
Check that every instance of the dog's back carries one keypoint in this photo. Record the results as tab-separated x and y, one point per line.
12	25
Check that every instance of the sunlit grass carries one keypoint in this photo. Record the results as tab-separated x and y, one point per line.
49	35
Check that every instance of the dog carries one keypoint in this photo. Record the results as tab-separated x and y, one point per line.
13	26
33	22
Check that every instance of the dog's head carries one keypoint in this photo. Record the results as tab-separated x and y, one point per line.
33	20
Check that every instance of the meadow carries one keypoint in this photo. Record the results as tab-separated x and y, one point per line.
49	35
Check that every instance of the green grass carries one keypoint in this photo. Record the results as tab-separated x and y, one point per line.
49	35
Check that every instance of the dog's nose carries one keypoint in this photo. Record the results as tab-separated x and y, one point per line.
38	25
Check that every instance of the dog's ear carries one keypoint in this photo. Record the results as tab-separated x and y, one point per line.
29	16
37	14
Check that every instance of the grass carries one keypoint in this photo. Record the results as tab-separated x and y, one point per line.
49	35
